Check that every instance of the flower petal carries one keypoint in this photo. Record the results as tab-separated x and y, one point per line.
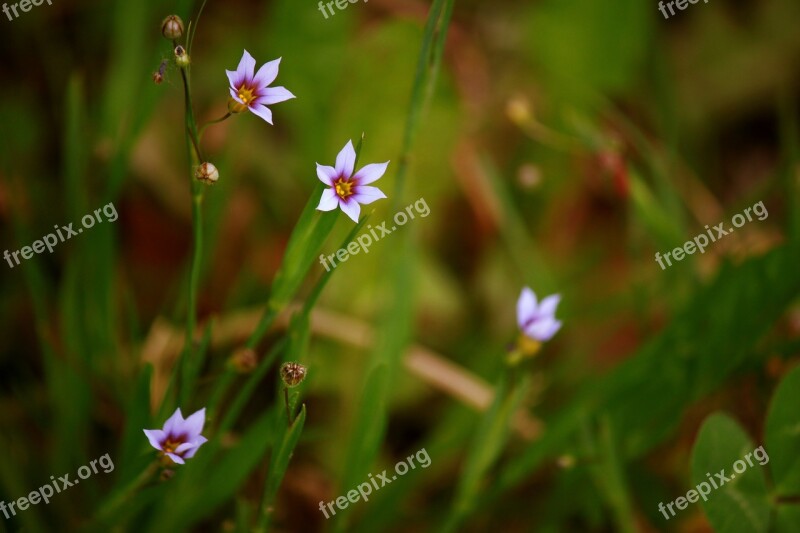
366	195
262	111
173	424
246	67
543	330
156	437
371	173
193	425
526	306
547	307
346	160
185	447
328	201
267	73
351	208
273	95
235	79
326	174
197	443
177	458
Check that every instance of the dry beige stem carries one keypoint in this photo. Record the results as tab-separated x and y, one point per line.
164	343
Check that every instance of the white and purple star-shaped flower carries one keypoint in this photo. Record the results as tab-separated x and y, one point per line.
179	439
537	322
348	190
251	90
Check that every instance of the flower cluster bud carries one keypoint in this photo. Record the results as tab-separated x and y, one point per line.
566	461
518	109
207	173
292	374
172	27
244	360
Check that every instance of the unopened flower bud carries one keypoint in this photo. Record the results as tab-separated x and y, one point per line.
244	360
566	461
293	374
172	27
519	111
207	173
181	57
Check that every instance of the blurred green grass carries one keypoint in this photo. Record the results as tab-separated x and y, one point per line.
637	132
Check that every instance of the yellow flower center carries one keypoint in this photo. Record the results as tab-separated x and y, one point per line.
171	446
529	347
246	95
344	188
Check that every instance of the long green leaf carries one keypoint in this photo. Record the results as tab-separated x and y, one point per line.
278	464
487	445
705	343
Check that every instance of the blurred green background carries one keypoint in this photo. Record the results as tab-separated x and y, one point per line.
563	144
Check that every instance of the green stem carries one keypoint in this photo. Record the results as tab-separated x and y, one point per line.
211	123
112	505
195	158
191	123
787	500
286	401
428	66
190	38
197	254
396	328
263	326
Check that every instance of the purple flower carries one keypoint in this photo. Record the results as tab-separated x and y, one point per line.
348	190
179	439
537	322
251	91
